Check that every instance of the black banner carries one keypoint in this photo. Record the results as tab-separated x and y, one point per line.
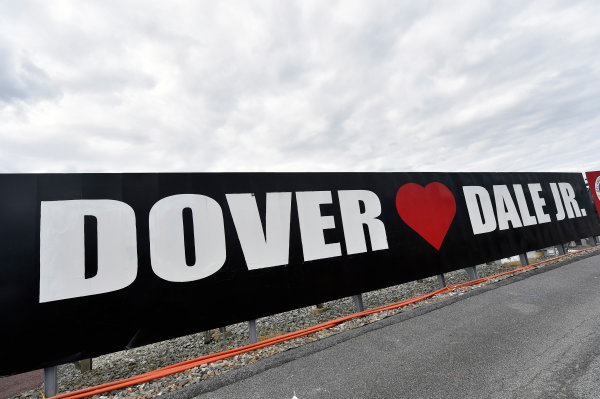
95	263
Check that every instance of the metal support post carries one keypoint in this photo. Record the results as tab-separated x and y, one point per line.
223	331
85	365
523	259
252	331
358	302
561	249
472	272
441	280
50	381
319	308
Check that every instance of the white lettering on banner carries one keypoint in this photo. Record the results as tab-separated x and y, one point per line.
559	207
479	206
62	237
353	221
262	248
505	208
528	219
167	246
538	203
571	205
481	212
272	248
62	252
312	224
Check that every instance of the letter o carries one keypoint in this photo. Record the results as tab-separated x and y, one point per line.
167	246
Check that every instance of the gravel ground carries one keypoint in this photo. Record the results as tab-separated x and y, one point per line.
136	361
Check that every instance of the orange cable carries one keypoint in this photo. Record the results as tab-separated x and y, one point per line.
188	364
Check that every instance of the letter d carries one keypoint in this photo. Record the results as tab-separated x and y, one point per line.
62	249
475	195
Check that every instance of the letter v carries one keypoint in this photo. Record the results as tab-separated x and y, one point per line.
262	248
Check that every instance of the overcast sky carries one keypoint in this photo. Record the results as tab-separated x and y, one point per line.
125	86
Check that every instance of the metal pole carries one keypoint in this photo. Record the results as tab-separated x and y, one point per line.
472	272
85	365
441	280
224	334
50	381
584	242
358	302
319	308
252	331
523	259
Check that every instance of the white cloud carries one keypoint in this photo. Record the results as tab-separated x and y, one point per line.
283	86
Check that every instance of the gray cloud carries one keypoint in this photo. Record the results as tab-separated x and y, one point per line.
430	86
23	80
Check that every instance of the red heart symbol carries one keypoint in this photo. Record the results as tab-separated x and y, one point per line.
427	210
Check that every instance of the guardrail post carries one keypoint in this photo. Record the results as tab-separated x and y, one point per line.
85	365
441	280
319	308
223	331
472	272
252	331
358	302
50	381
523	259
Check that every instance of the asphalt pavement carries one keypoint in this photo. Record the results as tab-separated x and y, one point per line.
536	335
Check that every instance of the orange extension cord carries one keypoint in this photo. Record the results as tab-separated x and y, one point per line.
178	367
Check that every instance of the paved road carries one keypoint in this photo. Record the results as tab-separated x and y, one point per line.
538	337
